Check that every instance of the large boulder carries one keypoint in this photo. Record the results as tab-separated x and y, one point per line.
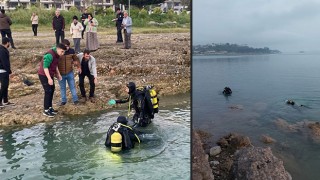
258	163
200	166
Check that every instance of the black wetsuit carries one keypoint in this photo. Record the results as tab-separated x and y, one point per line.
140	101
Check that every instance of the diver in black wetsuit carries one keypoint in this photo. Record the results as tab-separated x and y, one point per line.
227	91
141	102
120	136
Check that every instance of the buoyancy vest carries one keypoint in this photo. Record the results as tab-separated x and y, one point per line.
53	65
150	96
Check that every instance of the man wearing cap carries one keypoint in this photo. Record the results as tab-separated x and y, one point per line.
84	16
118	20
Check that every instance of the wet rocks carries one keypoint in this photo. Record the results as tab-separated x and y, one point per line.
267	139
258	163
200	165
215	151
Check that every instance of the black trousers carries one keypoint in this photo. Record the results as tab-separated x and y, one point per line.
35	29
7	33
119	34
4	79
59	34
48	91
84	30
81	84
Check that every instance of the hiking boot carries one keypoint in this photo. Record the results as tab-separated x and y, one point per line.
63	103
52	111
92	99
48	113
9	104
1	105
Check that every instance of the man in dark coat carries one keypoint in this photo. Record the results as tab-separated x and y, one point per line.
5	71
58	26
5	23
118	20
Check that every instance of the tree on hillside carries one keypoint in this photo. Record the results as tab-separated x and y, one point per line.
138	3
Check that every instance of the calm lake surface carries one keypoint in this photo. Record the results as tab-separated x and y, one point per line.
74	148
260	85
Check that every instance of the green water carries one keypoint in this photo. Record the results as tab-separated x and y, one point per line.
74	148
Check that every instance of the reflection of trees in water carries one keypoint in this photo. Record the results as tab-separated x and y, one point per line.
8	145
68	149
57	154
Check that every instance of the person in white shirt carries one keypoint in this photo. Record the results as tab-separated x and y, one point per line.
75	30
34	21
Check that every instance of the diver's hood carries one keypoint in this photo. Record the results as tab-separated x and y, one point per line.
132	87
122	120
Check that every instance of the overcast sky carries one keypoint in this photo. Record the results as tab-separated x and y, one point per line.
286	25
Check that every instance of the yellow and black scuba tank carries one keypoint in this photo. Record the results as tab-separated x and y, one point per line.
153	95
116	139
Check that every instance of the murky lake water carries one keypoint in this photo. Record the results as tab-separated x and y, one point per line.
260	85
74	148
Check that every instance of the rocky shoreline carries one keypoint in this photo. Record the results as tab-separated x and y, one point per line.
162	60
234	157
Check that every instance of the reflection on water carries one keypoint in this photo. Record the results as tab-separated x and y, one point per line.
260	85
74	149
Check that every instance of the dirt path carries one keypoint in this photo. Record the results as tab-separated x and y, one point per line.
162	60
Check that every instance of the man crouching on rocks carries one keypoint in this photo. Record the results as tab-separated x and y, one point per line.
48	68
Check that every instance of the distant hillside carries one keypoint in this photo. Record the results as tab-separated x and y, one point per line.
230	49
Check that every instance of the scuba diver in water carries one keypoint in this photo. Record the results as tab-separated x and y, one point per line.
120	136
141	101
227	91
291	102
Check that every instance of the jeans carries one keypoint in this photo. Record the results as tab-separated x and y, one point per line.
4	79
7	33
76	42
127	40
35	29
81	84
71	83
59	34
48	91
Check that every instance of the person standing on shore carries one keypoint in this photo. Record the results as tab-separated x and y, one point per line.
92	43
65	66
89	69
5	71
126	25
75	31
84	16
58	26
5	23
47	70
118	20
34	22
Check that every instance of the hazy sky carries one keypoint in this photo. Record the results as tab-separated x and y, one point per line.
286	25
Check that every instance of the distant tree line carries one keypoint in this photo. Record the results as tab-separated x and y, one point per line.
231	48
